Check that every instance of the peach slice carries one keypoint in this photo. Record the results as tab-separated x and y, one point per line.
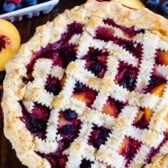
139	116
83	97
156	91
124	146
136	4
62	121
9	42
163	57
110	108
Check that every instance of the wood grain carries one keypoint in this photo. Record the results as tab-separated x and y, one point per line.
26	28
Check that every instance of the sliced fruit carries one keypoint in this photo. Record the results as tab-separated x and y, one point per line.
83	97
62	82
158	90
163	57
136	4
147	114
139	116
84	94
9	42
110	108
124	146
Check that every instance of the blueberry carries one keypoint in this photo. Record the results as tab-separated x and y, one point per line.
53	89
36	125
30	2
18	6
152	4
96	68
52	85
79	87
99	141
104	134
70	114
128	83
67	129
9	7
164	8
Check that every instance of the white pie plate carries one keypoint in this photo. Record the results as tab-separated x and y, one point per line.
31	11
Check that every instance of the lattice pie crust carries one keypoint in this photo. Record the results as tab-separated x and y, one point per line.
89	89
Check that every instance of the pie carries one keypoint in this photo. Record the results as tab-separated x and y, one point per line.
90	90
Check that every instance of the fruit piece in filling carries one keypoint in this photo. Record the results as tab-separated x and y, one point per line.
53	85
84	93
143	117
162	57
98	136
85	163
126	76
36	119
155	80
112	107
96	61
129	148
69	124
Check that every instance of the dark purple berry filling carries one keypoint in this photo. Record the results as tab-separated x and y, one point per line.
86	163
96	61
84	93
96	54
129	31
141	121
113	107
36	120
97	68
67	129
126	76
155	80
105	34
108	34
53	85
56	160
130	149
79	87
98	136
36	125
61	52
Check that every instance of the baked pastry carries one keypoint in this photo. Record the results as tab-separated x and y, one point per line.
89	89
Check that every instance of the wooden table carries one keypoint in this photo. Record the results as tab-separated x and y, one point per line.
26	28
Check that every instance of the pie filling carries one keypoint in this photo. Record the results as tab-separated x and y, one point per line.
126	79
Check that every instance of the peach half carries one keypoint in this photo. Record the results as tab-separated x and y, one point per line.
9	42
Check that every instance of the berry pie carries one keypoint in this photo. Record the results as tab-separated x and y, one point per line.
90	90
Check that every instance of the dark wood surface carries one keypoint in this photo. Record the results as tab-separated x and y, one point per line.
26	28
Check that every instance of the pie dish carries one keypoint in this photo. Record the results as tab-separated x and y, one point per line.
89	89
